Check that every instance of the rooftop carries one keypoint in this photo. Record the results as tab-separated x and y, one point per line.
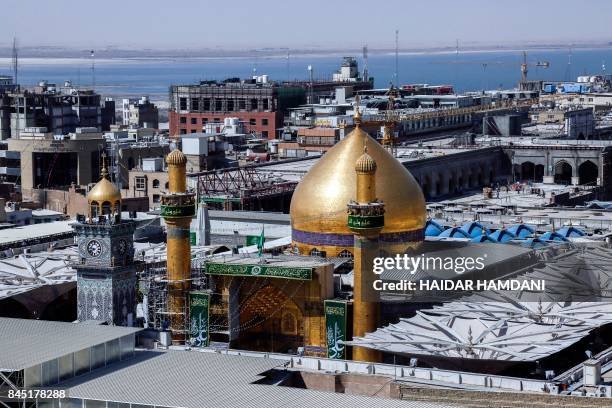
210	379
26	343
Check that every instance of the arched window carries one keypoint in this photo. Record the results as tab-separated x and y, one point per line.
155	183
167	185
93	209
345	253
289	323
315	252
106	208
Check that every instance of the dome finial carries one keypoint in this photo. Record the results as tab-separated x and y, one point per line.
104	170
357	116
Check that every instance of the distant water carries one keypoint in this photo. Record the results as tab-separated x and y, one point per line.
125	77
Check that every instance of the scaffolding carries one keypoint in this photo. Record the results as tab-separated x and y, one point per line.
153	284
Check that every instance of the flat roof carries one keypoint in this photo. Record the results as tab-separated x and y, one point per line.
25	343
33	231
194	379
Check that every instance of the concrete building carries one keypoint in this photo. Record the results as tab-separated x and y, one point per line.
260	106
60	110
148	180
53	161
577	123
139	113
203	152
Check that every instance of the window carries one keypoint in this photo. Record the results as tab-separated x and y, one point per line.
194	121
264	134
216	120
315	252
182	103
193	131
183	131
252	122
204	121
264	122
218	105
155	183
242	104
254	104
266	104
167	185
156	198
206	103
183	120
141	183
345	254
195	104
230	105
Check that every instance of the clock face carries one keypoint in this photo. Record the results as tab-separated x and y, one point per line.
94	248
122	246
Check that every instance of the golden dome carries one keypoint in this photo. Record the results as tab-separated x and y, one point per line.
318	206
365	164
104	190
176	158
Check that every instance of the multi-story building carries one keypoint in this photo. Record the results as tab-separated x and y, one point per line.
149	179
60	110
49	160
139	113
259	104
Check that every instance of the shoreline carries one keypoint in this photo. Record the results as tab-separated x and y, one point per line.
136	56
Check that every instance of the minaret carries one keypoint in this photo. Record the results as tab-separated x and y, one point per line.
106	271
366	219
178	208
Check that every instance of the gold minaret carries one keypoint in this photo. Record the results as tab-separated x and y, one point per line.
178	208
366	220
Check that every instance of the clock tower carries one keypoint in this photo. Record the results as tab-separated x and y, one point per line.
106	271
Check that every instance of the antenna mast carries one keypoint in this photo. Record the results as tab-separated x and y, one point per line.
15	61
365	63
396	57
93	70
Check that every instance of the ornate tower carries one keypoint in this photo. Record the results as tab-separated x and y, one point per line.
178	208
106	273
366	219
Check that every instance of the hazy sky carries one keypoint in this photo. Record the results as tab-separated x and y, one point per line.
304	23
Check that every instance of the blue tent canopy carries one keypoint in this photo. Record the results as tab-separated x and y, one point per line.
482	238
454	232
474	229
571	232
552	236
502	235
521	230
433	229
534	243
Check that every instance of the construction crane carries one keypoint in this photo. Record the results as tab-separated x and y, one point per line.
525	66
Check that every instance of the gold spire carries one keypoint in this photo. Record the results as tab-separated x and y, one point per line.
104	170
365	163
357	116
104	194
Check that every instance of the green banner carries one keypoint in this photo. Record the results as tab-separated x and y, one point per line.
366	221
177	211
193	238
335	328
199	329
252	240
256	270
